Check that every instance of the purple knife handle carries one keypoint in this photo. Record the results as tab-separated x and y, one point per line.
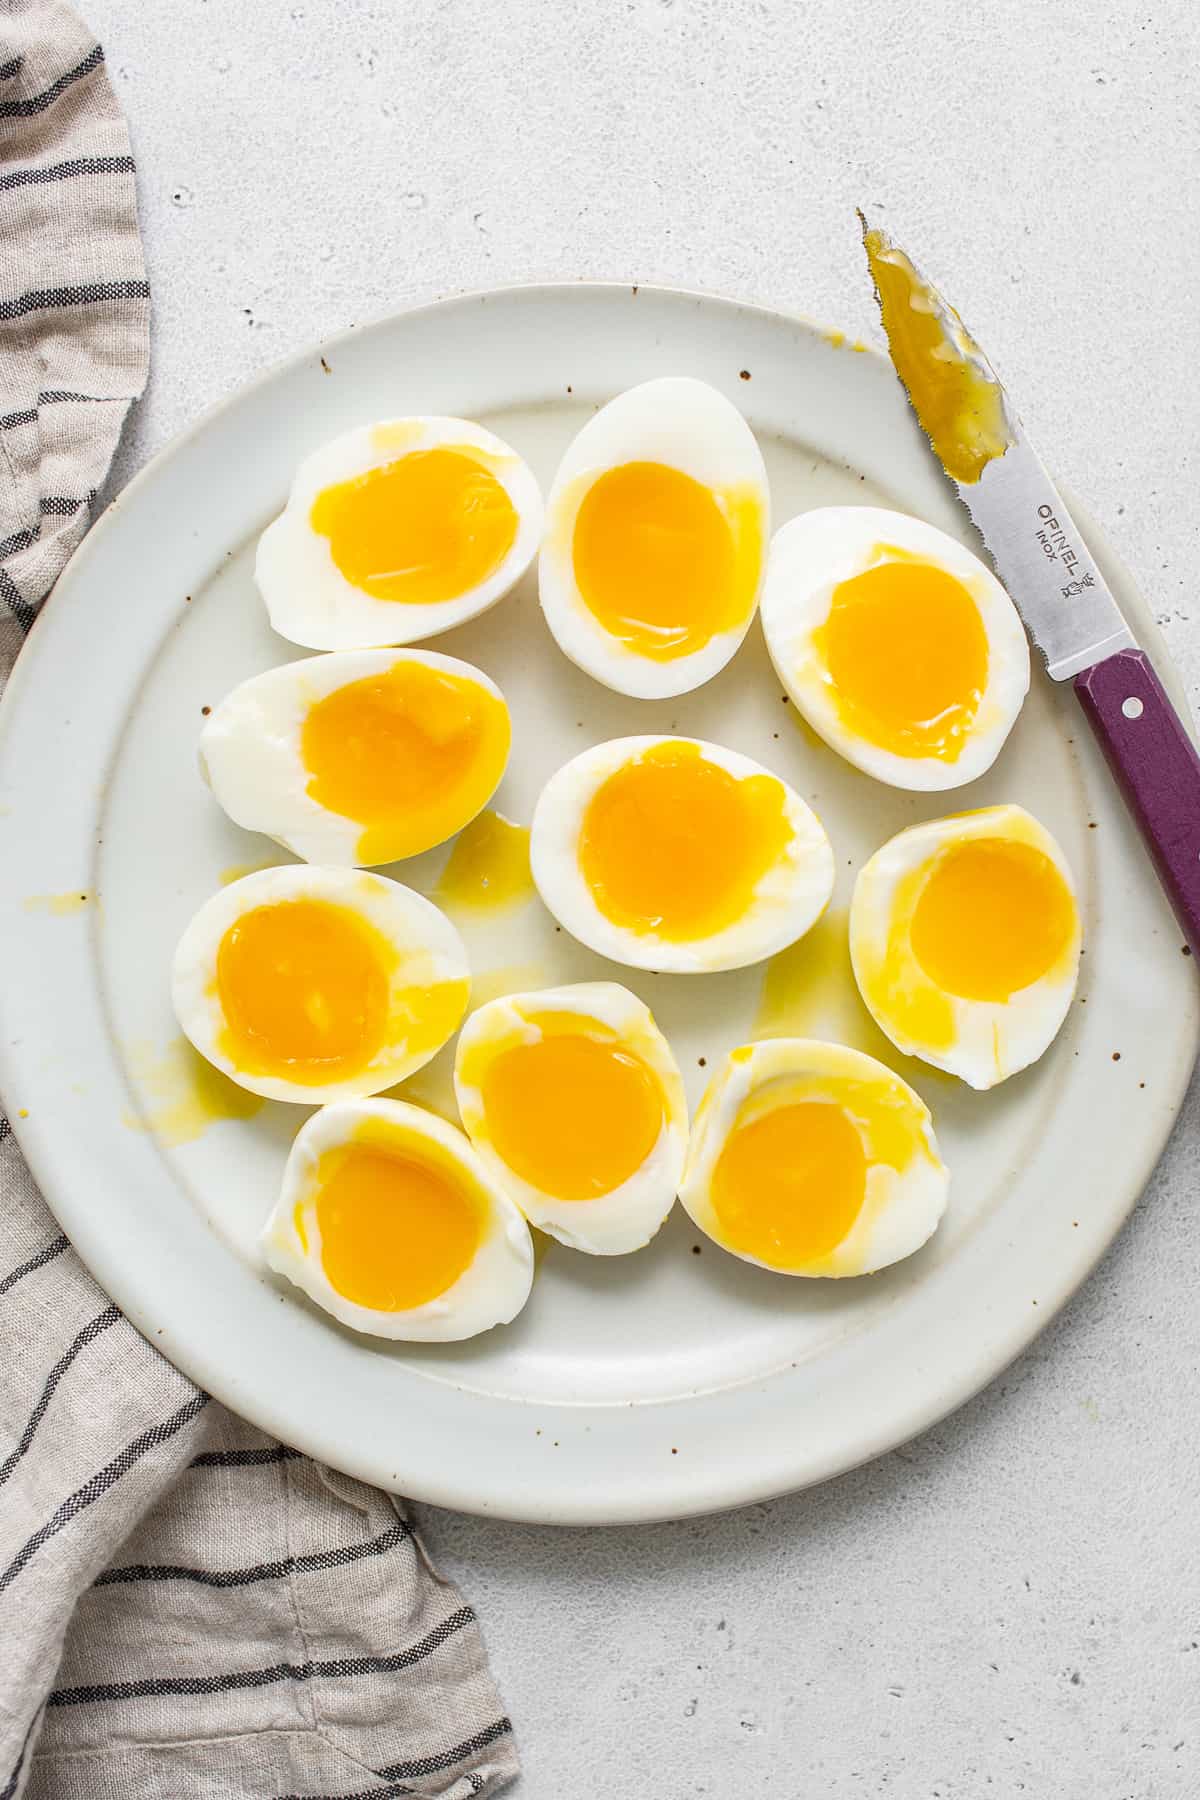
1155	762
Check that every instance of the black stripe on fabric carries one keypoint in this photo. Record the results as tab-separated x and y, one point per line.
98	1484
10	1786
11	420
91	1331
243	1459
15	601
51	397
9	69
18	540
35	1262
272	1571
197	1685
44	299
5	1128
426	1765
64	171
61	506
25	109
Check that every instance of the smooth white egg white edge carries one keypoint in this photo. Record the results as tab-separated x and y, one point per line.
787	902
809	557
679	422
490	1291
308	599
250	748
993	1039
411	924
628	1216
913	1200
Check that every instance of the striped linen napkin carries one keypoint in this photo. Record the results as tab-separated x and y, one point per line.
186	1607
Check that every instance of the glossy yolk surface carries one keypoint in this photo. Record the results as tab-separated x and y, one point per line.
397	1227
664	563
574	1113
789	1183
958	400
304	987
411	754
992	917
421	530
906	655
674	844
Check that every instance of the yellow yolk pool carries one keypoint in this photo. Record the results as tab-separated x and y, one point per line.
574	1113
674	844
411	754
993	916
906	655
789	1183
664	563
488	868
397	1229
304	988
426	528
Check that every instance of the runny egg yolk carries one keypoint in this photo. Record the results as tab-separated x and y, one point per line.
992	917
426	528
790	1182
398	1227
304	988
573	1112
664	563
411	754
906	656
674	844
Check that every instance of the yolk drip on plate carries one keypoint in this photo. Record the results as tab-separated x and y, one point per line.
304	988
421	530
488	868
674	844
664	563
397	1227
993	916
790	1182
573	1112
906	656
410	754
956	397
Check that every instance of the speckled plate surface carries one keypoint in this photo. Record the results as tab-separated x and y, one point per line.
677	1380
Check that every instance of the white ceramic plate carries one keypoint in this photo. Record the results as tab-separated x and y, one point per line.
631	1388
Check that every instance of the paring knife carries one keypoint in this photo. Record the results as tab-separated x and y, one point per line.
1040	556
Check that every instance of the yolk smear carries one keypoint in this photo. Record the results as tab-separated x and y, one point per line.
664	563
488	867
993	916
789	1184
182	1095
574	1113
426	528
906	656
411	754
304	987
674	844
955	396
397	1229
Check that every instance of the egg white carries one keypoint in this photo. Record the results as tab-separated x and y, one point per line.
250	749
686	425
810	557
490	1291
428	951
901	1208
307	597
628	1216
992	1039
789	899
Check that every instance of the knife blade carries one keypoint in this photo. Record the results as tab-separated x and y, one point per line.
1041	557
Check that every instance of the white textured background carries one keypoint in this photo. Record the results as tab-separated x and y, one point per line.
1010	1605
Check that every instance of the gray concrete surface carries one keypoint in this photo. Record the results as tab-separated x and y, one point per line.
1011	1605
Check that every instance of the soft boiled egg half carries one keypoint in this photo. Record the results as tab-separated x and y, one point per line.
964	935
656	534
364	756
672	854
389	1221
896	643
574	1101
398	530
812	1159
312	984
